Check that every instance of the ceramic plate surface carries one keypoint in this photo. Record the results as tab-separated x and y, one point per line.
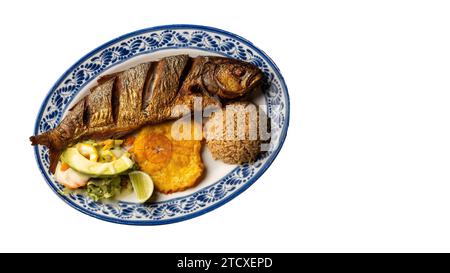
222	182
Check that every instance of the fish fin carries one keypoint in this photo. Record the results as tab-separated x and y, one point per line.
54	157
44	139
106	78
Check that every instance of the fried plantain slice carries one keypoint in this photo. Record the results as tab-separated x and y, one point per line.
173	164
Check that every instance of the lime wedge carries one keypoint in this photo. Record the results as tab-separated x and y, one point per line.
142	185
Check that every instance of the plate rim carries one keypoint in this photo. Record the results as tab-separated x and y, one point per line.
196	213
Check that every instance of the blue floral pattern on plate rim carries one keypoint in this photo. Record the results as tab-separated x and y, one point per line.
146	41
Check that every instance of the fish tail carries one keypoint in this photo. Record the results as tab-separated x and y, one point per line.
42	139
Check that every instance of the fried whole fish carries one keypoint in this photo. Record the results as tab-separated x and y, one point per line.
147	94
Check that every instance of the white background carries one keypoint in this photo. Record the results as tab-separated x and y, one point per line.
365	166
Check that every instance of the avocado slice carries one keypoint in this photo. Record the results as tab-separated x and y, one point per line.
78	162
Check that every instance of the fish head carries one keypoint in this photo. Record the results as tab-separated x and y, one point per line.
230	78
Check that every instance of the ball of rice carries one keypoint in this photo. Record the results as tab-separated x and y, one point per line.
232	134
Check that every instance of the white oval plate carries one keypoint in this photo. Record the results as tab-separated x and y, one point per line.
222	182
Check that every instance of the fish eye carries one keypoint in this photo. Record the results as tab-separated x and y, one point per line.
238	71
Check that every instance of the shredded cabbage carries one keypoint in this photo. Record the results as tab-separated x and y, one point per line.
103	188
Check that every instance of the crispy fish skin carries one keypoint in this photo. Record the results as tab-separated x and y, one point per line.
147	94
163	86
129	85
98	105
